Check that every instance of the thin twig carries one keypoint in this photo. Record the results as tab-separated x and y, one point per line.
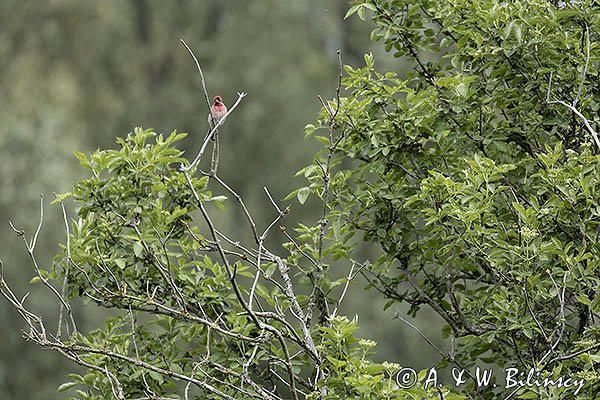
348	280
437	349
539	325
200	72
280	215
575	354
39	227
561	315
317	296
582	117
585	68
65	271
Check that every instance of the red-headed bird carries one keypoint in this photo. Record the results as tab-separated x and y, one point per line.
218	111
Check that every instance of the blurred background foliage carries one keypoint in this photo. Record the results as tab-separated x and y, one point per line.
76	74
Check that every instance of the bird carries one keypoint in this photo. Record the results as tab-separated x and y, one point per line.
217	111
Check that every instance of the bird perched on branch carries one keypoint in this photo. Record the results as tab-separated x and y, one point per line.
218	111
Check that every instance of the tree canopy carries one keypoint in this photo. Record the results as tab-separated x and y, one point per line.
477	175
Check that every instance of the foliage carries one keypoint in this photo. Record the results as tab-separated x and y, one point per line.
199	314
89	71
477	176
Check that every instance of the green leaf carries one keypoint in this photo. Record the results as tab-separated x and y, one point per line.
156	376
303	194
352	10
462	89
138	249
67	386
369	6
82	159
361	13
270	269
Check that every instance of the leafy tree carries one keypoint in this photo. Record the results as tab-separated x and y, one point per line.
199	313
477	174
65	85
